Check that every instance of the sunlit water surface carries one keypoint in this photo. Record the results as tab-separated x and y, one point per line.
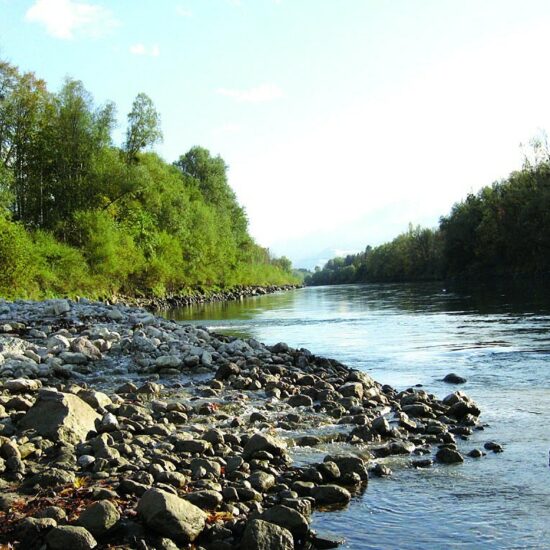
499	339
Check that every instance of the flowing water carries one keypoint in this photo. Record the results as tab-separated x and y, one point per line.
497	338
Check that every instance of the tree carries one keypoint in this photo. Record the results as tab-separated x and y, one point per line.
143	127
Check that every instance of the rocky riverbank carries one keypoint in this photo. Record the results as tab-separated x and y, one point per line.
205	296
122	429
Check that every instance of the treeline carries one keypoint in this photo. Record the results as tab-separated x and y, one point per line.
81	215
504	230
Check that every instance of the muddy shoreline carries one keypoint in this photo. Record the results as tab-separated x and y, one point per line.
121	428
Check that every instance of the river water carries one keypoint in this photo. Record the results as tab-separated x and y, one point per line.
497	338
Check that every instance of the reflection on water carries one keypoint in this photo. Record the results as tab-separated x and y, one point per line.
496	337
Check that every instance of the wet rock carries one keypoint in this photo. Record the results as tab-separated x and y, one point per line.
286	517
263	442
326	495
493	446
60	417
226	370
67	536
422	463
449	456
99	517
329	471
171	516
300	400
348	464
308	441
263	535
453	378
420	410
380	470
476	453
381	425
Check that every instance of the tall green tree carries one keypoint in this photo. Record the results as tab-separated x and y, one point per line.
143	129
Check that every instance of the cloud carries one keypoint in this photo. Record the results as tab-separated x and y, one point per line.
141	49
66	18
183	12
259	94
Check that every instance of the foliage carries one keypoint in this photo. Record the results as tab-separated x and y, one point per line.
81	215
503	230
412	256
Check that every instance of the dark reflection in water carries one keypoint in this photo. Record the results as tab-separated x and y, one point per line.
498	337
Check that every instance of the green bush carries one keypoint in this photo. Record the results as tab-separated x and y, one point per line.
16	260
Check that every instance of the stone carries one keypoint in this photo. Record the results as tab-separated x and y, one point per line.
262	535
54	512
381	425
300	400
96	399
73	358
493	446
352	389
68	536
261	481
263	442
58	342
205	500
60	417
475	453
349	464
99	517
326	495
308	441
171	516
286	517
52	477
85	347
226	370
20	385
58	307
420	410
448	456
453	378
168	361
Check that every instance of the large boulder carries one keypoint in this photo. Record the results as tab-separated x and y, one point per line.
171	516
60	417
262	535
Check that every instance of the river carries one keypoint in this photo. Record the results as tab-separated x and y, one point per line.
498	338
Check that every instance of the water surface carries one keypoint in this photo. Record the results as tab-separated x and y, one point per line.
498	338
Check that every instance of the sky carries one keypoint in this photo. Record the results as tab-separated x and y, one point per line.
341	121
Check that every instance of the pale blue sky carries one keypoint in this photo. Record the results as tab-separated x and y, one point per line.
341	121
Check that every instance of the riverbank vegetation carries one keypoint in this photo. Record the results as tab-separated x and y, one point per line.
82	215
502	231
